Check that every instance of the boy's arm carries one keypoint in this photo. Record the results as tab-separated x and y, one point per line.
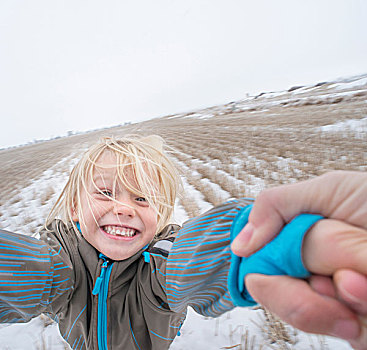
199	262
203	273
34	278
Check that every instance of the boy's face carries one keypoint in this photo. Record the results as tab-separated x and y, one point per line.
118	230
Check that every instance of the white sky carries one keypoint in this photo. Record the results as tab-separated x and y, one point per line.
86	64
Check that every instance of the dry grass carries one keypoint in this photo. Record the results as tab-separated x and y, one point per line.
13	213
248	342
190	205
47	195
27	220
210	195
15	199
277	332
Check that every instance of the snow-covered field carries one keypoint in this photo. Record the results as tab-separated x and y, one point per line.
223	152
197	332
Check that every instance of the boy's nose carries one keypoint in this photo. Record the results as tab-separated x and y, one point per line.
123	208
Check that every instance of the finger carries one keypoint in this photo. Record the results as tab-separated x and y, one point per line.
340	198
361	342
331	245
351	287
323	285
356	285
295	302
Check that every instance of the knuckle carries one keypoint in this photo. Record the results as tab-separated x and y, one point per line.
332	176
268	196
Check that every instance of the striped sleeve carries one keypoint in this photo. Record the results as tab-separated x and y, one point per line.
199	262
34	279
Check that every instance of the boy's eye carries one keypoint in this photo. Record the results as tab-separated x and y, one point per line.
141	199
106	193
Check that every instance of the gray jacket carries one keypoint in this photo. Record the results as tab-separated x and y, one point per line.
137	303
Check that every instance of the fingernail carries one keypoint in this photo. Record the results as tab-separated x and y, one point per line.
240	242
346	329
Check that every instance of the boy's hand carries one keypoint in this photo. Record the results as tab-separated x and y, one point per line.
331	248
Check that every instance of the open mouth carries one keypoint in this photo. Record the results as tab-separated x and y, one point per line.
120	231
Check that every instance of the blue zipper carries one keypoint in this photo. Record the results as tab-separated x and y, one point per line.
101	288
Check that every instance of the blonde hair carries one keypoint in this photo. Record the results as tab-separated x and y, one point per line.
154	174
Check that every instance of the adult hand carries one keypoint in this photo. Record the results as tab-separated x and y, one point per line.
313	307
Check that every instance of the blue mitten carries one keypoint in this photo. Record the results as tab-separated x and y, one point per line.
281	256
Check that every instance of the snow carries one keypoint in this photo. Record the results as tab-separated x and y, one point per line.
324	97
37	198
304	89
197	196
350	85
264	101
197	333
179	215
274	94
31	336
200	116
358	126
229	329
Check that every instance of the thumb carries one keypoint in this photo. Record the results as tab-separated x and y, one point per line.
272	209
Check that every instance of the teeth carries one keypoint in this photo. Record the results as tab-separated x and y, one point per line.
121	231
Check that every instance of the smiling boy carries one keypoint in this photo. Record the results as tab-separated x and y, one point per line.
109	268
